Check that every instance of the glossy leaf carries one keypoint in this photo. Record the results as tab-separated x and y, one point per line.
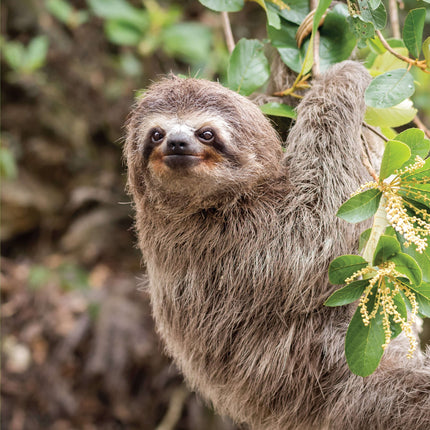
295	13
347	294
387	247
363	344
120	10
223	5
407	266
362	29
248	67
284	40
390	89
189	41
413	31
395	155
396	328
378	16
394	116
418	174
418	144
344	266
123	33
422	259
364	237
336	38
278	109
361	206
422	294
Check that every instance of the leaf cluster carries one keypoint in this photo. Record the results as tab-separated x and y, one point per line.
364	342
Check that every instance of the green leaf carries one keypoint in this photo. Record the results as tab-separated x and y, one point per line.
248	67
362	29
319	12
363	344
419	174
426	51
395	155
407	266
378	16
278	109
344	266
422	294
413	31
386	61
364	237
66	13
422	259
295	13
348	294
123	33
336	38
387	247
8	168
389	89
374	3
396	328
418	144
14	53
417	193
361	206
189	41
120	10
394	116
273	18
35	55
223	5
284	40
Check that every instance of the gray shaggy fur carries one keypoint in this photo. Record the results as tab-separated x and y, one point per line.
237	262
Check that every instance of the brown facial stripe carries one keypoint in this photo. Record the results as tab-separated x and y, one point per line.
210	157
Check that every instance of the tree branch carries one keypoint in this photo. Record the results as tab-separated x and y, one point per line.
227	31
394	18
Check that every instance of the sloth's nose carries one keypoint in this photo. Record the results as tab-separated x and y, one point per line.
180	144
177	146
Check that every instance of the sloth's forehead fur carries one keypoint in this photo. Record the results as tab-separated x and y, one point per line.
187	122
194	100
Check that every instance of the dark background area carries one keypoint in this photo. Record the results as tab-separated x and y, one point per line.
78	347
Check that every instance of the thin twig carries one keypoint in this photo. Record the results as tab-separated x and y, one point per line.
394	18
316	45
421	64
374	130
421	126
174	410
365	158
227	31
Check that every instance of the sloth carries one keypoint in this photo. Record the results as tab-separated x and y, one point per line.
237	235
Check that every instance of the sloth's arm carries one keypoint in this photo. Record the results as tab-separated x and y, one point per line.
323	162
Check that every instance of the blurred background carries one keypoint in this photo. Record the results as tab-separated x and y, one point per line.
78	344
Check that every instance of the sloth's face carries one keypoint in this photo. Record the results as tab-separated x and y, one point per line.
190	145
196	138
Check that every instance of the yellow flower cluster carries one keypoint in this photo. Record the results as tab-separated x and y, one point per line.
386	277
365	187
414	229
398	217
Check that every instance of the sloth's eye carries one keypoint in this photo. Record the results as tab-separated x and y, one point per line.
206	135
157	136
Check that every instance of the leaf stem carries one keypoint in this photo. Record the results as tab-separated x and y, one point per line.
380	223
227	32
420	64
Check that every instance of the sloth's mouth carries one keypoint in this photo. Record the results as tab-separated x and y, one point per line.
180	161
